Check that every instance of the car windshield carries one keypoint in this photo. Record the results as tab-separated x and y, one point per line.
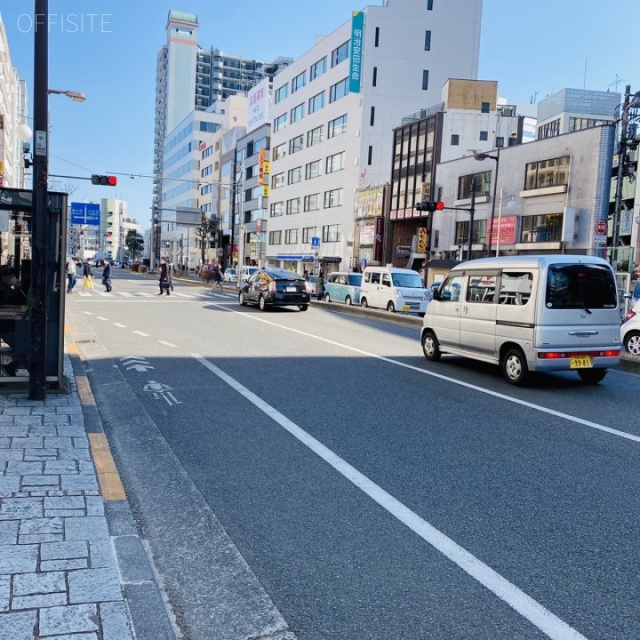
355	279
580	286
407	280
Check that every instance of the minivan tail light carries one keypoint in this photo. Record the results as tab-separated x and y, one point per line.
555	355
630	314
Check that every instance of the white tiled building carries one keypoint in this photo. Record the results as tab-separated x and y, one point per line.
331	132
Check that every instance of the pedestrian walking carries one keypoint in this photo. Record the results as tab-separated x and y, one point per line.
165	284
320	286
106	276
216	276
87	272
71	275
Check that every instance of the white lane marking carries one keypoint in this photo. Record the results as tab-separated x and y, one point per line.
117	324
88	313
104	294
168	344
125	294
141	333
101	318
525	605
183	295
467	385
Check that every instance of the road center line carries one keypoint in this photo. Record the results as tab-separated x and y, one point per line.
525	605
467	385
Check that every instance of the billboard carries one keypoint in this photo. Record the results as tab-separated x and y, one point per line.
355	55
258	105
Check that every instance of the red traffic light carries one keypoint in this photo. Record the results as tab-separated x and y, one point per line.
439	206
106	181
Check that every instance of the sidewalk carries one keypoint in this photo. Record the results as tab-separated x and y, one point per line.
71	564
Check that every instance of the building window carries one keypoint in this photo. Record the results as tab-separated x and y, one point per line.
372	116
281	93
293	206
298	82
549	130
308	233
547	173
280	151
427	40
337	126
429	5
297	113
370	156
340	54
485	107
483	185
314	136
377	38
455	139
312	170
318	69
338	90
335	162
291	236
331	233
294	175
277	209
280	122
374	80
312	203
332	198
296	144
499	142
277	180
544	228
577	124
275	237
425	80
484	135
316	102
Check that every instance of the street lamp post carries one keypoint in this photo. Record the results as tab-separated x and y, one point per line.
484	156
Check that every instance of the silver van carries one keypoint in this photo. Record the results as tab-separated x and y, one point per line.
528	313
393	289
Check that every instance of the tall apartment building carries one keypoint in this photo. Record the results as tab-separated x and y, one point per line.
335	109
189	77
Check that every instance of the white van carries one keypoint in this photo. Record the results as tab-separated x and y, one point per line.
393	289
528	313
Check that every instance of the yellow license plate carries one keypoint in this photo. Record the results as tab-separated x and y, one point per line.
406	308
581	362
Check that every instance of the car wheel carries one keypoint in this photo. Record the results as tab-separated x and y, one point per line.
262	303
363	303
348	301
327	297
241	299
431	346
391	307
592	376
303	307
632	343
514	367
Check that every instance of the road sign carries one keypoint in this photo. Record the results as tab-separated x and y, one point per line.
601	227
315	242
85	213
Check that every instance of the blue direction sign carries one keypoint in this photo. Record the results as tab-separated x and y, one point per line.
85	213
315	242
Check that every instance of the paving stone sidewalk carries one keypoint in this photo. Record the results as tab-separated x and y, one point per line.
59	573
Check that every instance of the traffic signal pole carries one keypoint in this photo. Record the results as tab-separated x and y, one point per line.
39	222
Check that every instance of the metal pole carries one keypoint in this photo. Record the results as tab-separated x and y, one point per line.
39	289
234	189
472	212
622	152
493	201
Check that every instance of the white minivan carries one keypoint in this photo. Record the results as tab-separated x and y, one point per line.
393	289
528	313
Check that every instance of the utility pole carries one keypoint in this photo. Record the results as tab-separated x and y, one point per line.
39	223
622	162
472	212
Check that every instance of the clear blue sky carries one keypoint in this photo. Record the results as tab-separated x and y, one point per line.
531	49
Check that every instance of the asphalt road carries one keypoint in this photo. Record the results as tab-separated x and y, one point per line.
312	473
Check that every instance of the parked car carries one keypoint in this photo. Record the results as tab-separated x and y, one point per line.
630	330
247	271
230	275
341	286
274	287
393	289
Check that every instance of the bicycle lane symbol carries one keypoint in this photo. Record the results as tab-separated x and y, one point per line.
160	391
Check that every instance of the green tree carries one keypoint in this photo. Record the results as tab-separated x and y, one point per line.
206	232
134	242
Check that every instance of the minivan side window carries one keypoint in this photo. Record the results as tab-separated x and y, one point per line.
450	290
386	280
481	288
375	277
515	287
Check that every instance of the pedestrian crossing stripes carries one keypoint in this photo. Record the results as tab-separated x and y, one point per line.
142	294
